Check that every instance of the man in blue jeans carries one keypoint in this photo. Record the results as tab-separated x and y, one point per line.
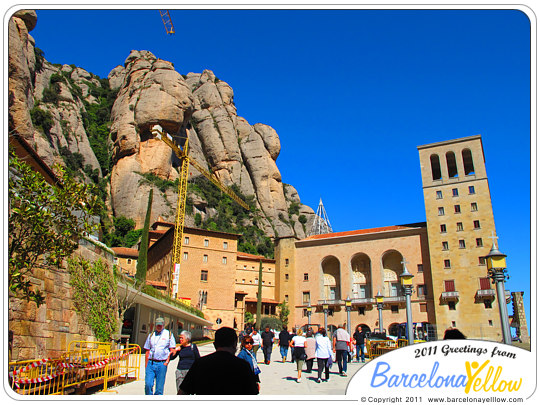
342	341
359	338
158	346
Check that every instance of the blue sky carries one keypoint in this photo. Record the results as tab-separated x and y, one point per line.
351	94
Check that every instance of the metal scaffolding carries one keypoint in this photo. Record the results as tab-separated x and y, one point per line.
321	223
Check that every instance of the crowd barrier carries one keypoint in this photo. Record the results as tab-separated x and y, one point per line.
84	365
376	348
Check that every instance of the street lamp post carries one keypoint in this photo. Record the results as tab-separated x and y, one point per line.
325	310
496	266
380	302
406	282
348	305
309	314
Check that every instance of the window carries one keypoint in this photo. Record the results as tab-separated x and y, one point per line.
286	277
438	194
305	313
451	164
224	260
395	309
422	290
457	209
462	244
186	256
306	277
454	322
286	298
446	263
485	283
203	297
441	210
306	299
452	305
443	228
286	262
205	258
420	268
487	304
468	165
455	192
423	307
225	245
490	322
474	207
481	261
243	281
204	275
186	240
459	226
479	242
206	243
361	310
445	245
449	286
476	224
128	261
471	190
435	167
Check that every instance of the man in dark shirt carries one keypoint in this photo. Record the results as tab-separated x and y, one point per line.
359	338
268	341
284	340
220	373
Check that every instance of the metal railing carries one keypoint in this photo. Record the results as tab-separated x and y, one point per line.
84	365
376	348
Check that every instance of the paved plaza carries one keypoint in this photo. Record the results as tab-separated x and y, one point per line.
277	378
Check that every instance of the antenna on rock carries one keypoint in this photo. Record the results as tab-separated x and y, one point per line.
321	223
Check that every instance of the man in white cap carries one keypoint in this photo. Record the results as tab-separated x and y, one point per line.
158	346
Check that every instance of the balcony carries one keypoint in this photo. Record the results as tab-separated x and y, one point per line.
488	293
394	299
449	295
331	302
362	301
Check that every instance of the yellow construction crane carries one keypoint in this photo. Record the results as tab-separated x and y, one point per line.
167	21
182	153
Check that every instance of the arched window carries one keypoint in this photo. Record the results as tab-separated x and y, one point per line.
331	278
468	164
435	167
451	164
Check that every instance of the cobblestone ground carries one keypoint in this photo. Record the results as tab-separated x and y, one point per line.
277	378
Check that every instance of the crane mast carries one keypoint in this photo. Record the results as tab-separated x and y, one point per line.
182	154
167	21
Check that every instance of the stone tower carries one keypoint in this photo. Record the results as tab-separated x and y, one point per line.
519	320
460	223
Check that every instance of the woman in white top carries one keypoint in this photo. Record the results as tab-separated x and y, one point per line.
257	341
323	352
298	344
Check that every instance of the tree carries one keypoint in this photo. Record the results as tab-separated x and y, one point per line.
45	223
142	261
259	297
284	313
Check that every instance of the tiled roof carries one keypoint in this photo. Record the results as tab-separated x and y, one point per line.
123	251
156	283
265	300
358	232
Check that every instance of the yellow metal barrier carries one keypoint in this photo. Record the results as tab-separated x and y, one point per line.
375	348
82	367
36	377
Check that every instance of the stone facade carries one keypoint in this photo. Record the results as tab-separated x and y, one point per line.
460	223
356	265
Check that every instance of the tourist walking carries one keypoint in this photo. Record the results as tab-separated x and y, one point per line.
247	354
284	342
311	346
257	341
342	341
187	354
267	341
323	352
159	346
359	339
298	345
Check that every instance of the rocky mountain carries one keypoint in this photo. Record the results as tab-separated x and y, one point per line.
100	129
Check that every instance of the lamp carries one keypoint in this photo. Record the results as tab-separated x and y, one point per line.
379	298
348	306
406	283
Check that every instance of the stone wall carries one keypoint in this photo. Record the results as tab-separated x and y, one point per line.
45	332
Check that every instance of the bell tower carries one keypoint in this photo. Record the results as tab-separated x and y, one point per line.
460	223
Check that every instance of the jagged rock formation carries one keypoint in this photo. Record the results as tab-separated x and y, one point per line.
149	91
